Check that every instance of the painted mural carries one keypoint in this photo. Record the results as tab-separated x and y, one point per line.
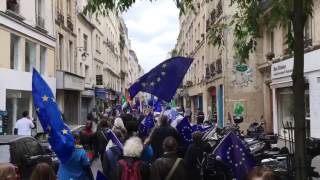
242	75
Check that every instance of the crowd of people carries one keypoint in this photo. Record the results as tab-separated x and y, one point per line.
158	156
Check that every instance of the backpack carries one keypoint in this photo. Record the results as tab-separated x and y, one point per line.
132	171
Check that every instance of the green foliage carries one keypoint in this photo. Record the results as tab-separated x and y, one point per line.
251	16
174	53
103	6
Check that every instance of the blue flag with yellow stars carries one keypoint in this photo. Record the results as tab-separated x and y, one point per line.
185	130
100	176
157	107
60	137
232	151
146	126
163	80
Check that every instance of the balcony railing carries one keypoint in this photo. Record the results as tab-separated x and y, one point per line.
219	66
40	21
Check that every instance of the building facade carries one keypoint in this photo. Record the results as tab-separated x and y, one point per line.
69	82
85	64
281	64
216	83
27	34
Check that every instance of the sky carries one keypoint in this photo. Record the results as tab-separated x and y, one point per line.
153	30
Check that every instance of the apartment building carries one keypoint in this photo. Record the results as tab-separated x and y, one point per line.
27	34
124	51
280	65
216	83
69	82
85	63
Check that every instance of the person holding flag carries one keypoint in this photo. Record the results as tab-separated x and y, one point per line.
74	162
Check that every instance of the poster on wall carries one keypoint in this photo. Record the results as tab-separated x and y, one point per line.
238	111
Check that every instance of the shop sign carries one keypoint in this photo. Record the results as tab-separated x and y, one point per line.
88	93
100	93
282	69
73	82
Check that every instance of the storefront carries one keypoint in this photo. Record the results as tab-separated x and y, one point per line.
87	104
16	97
69	87
283	95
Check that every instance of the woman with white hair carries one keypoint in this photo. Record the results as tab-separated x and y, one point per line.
131	167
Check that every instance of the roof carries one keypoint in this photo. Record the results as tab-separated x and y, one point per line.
10	138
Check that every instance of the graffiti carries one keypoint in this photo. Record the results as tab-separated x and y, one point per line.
242	75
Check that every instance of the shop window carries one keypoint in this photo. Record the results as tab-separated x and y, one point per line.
286	109
14	51
43	60
308	33
30	57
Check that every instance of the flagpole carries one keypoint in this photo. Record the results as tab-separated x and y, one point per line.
214	151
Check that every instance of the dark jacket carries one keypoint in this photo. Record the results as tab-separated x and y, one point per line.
111	157
162	166
144	169
157	137
101	141
194	159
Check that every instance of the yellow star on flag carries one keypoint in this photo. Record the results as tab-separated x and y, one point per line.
37	109
163	73
144	84
45	98
164	65
152	84
158	79
65	132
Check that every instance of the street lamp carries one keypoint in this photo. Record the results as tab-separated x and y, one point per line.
84	54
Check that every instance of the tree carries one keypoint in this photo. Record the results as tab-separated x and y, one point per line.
250	16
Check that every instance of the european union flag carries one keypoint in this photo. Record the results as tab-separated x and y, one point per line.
100	176
110	135
60	137
232	151
185	130
157	107
163	80
200	128
146	125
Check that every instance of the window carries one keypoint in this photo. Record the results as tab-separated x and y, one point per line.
30	57
40	15
14	51
285	108
81	69
70	58
308	32
43	59
98	43
60	60
272	41
69	6
86	71
13	5
85	42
